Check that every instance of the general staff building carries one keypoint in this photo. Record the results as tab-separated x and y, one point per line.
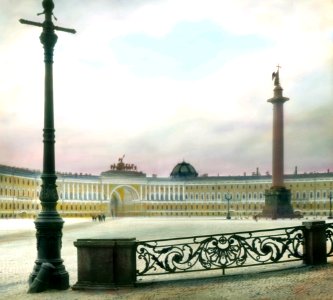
124	191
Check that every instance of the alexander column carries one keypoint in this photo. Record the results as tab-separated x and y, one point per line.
278	198
49	271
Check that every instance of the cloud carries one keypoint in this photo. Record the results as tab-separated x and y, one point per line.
163	81
310	138
188	49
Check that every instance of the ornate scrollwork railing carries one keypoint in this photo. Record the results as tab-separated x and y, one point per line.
219	251
329	239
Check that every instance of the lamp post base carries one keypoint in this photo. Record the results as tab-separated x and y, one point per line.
57	278
278	204
49	234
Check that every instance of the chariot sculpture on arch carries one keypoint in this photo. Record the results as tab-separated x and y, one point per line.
121	166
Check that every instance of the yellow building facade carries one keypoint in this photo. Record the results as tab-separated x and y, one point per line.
123	191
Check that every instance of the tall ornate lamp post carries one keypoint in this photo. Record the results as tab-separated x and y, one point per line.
330	215
13	193
48	223
228	197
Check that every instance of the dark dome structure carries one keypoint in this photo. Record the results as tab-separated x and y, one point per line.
183	170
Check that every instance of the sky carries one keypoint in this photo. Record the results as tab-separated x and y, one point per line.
170	80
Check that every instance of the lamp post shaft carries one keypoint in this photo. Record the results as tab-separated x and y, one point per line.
228	197
330	214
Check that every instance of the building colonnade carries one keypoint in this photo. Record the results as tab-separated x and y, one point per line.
84	195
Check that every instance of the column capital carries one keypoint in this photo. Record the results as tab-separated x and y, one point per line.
278	99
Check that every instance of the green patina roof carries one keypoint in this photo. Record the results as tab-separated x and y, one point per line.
182	170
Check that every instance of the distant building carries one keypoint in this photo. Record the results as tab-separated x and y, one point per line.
124	191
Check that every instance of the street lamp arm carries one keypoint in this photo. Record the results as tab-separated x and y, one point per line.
69	30
23	21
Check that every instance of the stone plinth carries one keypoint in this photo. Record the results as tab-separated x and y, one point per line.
314	242
105	263
125	262
278	203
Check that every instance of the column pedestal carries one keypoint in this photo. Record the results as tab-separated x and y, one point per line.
278	203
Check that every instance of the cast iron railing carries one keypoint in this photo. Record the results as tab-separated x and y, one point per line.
109	263
220	251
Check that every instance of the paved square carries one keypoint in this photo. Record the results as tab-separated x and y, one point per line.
18	247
